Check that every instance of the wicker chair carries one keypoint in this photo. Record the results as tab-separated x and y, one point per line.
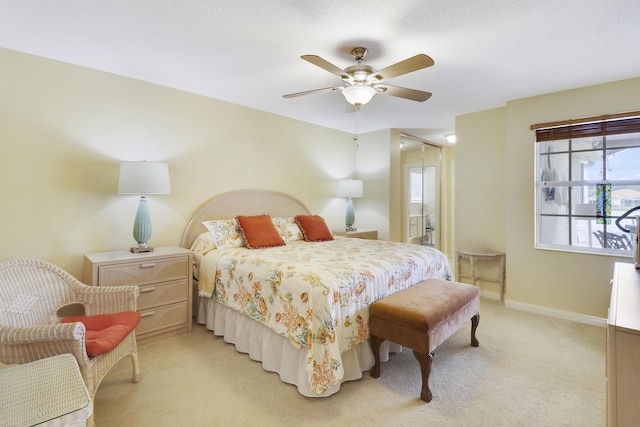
30	292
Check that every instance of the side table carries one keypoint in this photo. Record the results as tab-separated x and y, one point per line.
47	392
359	234
483	256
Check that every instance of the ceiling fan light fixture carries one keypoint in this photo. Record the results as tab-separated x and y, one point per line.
358	94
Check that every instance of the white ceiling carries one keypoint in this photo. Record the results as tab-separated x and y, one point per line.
247	52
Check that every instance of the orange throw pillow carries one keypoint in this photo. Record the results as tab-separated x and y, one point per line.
259	232
314	229
105	331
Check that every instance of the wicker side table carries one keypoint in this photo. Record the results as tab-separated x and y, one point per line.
483	256
47	392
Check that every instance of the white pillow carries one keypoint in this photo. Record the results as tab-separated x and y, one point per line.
204	243
288	228
224	232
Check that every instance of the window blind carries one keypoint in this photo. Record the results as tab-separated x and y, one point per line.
597	126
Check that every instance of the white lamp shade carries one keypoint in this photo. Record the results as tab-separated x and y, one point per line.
350	188
358	94
144	178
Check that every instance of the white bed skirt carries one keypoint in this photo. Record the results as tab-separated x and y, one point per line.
276	353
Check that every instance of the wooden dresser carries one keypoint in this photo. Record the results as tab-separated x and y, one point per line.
623	347
164	277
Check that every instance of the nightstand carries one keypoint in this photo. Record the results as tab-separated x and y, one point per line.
360	234
164	277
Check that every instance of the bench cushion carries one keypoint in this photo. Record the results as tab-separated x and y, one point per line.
423	316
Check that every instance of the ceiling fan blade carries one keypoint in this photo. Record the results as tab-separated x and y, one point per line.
326	65
409	65
403	92
309	92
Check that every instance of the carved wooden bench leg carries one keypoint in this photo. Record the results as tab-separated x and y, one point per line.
375	348
425	361
412	325
475	320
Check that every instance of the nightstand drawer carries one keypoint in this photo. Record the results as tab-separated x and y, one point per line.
163	318
143	271
157	294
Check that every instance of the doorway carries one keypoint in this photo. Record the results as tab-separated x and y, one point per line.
422	193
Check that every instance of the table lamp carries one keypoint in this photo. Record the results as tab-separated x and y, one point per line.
350	188
143	178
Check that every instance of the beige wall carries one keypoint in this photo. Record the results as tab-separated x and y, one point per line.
64	129
447	221
374	168
494	199
395	187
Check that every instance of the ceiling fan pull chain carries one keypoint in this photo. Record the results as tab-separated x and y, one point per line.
355	135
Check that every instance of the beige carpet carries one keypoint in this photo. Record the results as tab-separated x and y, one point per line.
529	370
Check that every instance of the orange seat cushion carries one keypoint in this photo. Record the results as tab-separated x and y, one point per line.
105	331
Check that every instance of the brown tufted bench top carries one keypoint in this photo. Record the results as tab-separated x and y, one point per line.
421	318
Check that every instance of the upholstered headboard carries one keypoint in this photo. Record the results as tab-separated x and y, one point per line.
242	202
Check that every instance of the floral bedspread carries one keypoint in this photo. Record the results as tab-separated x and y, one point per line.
317	294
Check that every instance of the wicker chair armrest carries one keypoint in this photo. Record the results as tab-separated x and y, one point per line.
108	299
26	344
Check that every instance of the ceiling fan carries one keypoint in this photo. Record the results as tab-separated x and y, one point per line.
361	82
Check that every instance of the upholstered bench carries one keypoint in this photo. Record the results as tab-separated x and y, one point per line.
421	318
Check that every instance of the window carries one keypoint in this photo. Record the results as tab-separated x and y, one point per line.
588	178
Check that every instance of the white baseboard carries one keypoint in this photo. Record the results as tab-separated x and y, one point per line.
547	311
490	295
567	315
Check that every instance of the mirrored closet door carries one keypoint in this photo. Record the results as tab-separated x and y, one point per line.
421	163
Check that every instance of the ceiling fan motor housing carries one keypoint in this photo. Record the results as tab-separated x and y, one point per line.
359	53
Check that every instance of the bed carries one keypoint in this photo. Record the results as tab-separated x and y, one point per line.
301	308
